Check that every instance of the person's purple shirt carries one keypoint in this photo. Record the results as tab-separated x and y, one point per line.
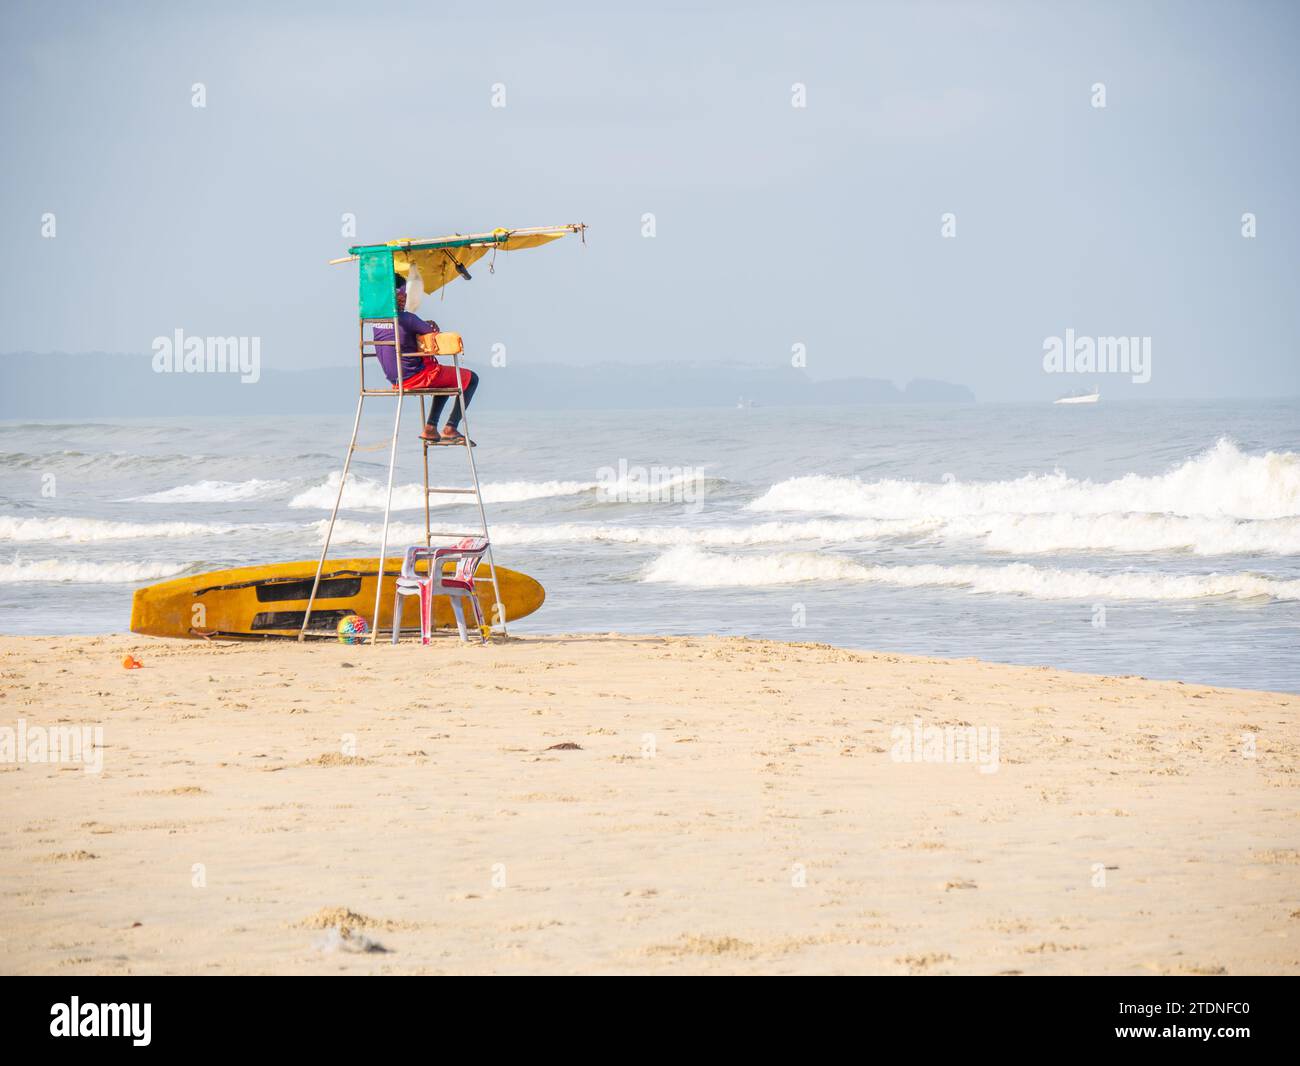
411	326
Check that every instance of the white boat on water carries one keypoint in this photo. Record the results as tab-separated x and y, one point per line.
1080	397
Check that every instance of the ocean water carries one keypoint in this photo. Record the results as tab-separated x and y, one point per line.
1152	539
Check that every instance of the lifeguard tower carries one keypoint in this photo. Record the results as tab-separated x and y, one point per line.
434	262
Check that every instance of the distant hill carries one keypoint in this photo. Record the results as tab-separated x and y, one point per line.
102	385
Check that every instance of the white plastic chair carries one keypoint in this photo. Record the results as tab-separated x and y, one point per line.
458	585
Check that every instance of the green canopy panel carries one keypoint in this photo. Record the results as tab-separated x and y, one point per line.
378	297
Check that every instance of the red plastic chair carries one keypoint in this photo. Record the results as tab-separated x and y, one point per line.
458	585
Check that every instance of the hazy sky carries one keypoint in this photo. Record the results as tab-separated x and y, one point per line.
775	225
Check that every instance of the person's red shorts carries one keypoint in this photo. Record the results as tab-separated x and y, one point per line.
435	376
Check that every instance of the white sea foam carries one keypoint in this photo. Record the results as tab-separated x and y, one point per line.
691	566
347	531
1127	533
85	572
88	530
1220	482
1009	534
364	494
649	536
216	492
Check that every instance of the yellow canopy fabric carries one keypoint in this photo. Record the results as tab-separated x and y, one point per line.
437	265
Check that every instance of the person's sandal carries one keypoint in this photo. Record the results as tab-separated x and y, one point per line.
448	440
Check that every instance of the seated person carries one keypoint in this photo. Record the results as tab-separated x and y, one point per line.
420	371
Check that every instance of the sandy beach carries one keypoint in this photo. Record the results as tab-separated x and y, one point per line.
609	804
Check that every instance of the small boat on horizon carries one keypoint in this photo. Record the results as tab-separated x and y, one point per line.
1081	397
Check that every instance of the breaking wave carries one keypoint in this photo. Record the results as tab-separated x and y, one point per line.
1007	534
1125	533
87	530
216	492
82	572
1222	482
648	536
364	494
691	566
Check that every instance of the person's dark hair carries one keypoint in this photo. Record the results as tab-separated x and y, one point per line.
399	282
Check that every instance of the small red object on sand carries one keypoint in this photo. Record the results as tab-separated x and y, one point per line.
130	662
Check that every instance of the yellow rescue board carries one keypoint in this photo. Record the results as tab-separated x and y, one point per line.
270	601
